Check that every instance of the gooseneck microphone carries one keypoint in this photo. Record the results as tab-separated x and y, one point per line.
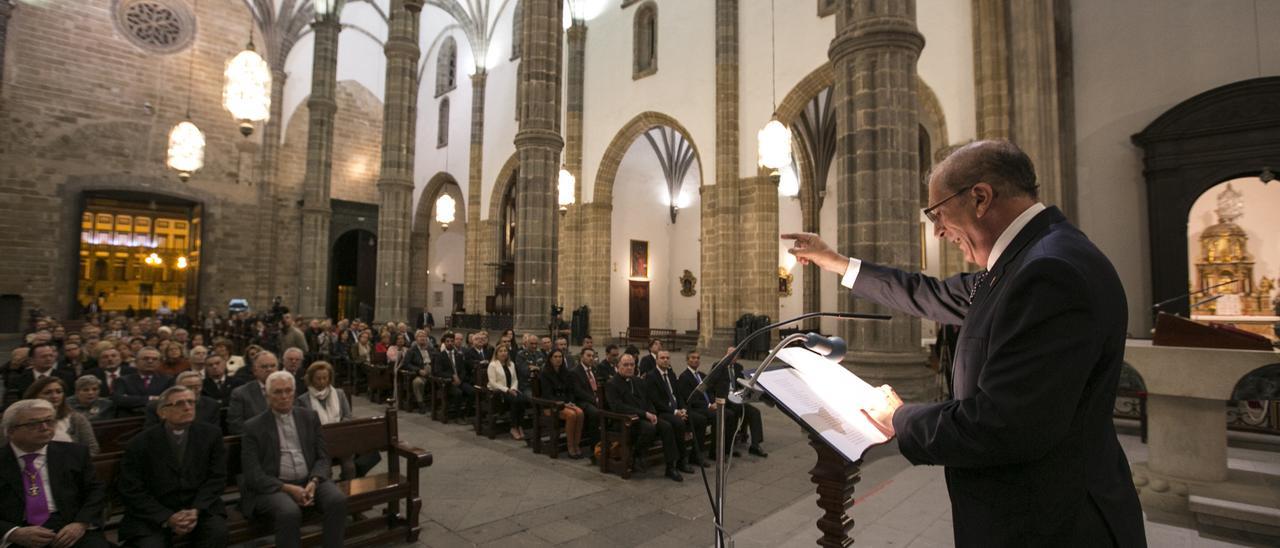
832	347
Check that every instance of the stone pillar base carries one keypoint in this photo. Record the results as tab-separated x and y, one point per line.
1163	495
904	371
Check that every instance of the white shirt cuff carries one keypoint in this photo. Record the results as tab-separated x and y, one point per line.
851	273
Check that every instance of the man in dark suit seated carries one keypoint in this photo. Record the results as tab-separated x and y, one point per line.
478	352
419	361
52	496
139	388
608	367
660	387
217	384
450	367
110	370
703	404
650	361
1029	444
43	357
286	469
586	395
207	411
291	360
172	477
745	411
250	399
625	395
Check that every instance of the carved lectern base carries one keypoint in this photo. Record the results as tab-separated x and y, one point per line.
835	477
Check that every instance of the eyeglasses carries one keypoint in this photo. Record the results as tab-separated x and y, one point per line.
47	423
181	403
931	211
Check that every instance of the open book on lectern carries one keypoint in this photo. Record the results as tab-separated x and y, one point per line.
827	398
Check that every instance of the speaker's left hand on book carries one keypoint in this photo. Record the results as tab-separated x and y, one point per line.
881	410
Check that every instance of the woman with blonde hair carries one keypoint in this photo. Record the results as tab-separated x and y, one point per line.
502	379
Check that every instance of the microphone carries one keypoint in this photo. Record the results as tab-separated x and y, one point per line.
1156	307
729	359
1206	301
833	348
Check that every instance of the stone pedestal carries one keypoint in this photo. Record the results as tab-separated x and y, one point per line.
1186	422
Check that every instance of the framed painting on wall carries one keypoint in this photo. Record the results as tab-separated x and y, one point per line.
639	259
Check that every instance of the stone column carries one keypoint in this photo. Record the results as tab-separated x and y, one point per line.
268	166
720	202
473	291
395	181
570	275
874	57
313	262
6	10
757	256
1022	73
538	145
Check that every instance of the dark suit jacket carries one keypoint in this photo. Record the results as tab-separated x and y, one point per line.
446	367
1028	441
260	454
416	359
646	364
208	411
79	495
626	395
223	394
154	485
605	371
247	402
475	357
27	378
582	392
685	386
556	385
123	371
656	391
132	396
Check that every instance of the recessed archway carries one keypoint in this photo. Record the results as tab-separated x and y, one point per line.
436	252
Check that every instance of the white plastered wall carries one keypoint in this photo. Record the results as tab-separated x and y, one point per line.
1133	61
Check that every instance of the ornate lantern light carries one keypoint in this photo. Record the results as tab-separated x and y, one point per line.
154	260
247	91
566	186
181	263
332	8
446	211
774	140
186	149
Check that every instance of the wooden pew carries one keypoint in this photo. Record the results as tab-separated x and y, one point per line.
397	489
114	434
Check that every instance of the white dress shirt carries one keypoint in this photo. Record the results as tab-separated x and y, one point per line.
1002	243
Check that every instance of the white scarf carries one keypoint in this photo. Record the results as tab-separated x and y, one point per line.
326	404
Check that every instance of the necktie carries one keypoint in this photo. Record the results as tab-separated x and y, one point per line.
698	378
980	278
37	507
671	396
111	380
591	377
146	382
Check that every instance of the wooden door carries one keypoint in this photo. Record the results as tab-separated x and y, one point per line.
639	304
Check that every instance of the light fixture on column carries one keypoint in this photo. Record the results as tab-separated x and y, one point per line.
446	211
566	186
326	9
247	91
186	141
154	260
181	263
774	140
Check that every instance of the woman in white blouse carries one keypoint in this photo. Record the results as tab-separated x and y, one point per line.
502	379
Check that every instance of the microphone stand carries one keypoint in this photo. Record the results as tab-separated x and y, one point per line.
738	396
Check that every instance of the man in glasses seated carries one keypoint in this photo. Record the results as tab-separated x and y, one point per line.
62	500
172	478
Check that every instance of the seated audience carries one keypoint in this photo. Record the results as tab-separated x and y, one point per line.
703	404
503	380
69	425
660	386
625	395
39	366
286	469
332	405
418	361
528	360
291	361
250	399
197	357
608	367
217	384
208	410
33	464
449	366
587	388
172	477
110	370
74	361
557	385
746	411
139	388
174	360
89	402
649	362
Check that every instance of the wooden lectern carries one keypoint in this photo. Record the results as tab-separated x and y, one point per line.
835	477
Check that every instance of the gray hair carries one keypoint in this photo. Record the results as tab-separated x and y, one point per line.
170	391
185	375
11	414
293	349
262	354
278	376
87	380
